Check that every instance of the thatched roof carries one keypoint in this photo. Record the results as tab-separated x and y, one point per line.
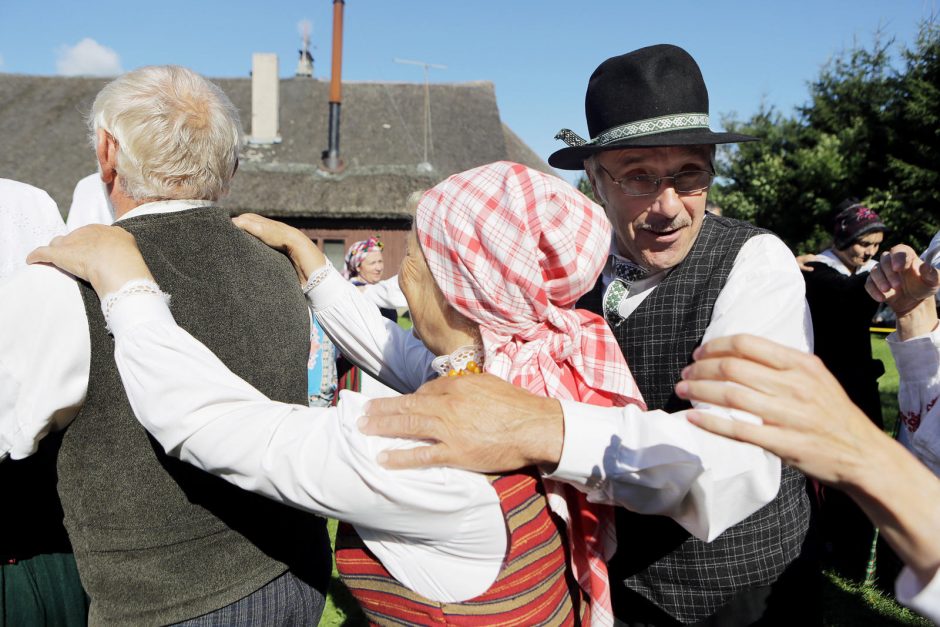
381	142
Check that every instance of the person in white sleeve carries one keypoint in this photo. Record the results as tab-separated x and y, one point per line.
37	567
28	218
811	423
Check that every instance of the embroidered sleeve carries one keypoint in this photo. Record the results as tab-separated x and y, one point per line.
918	362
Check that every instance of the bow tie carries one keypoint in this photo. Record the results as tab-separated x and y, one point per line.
627	271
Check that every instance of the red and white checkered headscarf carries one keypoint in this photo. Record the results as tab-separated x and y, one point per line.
513	249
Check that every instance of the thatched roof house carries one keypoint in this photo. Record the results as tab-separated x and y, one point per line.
382	142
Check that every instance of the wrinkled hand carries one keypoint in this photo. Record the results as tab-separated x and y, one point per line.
476	422
299	248
902	280
809	421
105	256
802	260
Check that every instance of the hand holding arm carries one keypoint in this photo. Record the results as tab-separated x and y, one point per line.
299	248
812	425
477	422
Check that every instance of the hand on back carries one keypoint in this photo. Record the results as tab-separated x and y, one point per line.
105	256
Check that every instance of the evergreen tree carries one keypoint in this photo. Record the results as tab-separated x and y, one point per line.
870	130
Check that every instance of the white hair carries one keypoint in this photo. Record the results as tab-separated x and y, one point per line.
178	135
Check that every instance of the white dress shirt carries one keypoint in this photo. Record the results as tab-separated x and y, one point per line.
439	531
650	462
90	203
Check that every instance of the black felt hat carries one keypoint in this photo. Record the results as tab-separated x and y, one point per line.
653	96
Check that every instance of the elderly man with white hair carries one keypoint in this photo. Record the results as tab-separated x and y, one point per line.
156	541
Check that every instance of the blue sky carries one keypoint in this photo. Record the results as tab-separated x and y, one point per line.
539	55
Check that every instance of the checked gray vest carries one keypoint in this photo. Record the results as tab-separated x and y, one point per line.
684	576
156	540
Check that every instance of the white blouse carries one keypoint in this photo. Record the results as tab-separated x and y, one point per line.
439	531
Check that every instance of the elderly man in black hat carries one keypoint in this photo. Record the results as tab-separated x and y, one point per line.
705	529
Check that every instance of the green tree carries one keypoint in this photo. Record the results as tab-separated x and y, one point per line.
869	130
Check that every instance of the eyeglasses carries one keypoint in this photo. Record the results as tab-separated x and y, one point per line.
688	182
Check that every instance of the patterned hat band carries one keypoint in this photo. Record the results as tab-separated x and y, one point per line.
652	126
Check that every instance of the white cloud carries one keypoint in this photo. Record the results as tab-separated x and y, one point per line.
1	60
87	58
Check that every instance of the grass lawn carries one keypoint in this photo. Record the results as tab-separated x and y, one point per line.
846	604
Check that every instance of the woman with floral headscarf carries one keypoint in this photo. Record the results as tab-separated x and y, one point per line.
365	264
498	257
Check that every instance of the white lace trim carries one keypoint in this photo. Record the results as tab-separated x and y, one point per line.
135	286
458	360
318	276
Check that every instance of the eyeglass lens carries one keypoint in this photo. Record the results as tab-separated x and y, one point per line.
685	182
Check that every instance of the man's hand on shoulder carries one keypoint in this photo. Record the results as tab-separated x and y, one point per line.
475	422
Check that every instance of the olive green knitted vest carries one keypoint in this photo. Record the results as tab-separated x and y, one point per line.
156	540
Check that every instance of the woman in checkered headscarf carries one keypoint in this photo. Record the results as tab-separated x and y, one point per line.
498	257
504	252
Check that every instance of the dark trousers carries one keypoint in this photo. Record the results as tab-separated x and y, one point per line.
285	601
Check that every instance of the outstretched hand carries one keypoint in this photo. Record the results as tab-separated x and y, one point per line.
476	422
809	421
902	280
299	248
105	256
908	286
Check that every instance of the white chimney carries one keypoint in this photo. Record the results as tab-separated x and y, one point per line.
265	99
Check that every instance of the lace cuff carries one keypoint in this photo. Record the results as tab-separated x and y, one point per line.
135	286
318	276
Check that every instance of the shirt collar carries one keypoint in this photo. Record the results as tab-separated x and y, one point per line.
832	260
164	206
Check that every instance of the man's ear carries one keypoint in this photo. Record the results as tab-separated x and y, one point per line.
106	150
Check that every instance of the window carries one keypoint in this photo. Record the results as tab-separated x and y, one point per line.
335	251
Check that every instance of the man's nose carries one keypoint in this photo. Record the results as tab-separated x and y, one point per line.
668	202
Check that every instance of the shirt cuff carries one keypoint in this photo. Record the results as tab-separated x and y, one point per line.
587	438
918	358
924	599
134	309
328	291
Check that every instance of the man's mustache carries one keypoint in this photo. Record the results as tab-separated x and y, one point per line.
677	223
